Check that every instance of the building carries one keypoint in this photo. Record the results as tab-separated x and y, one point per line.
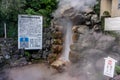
111	6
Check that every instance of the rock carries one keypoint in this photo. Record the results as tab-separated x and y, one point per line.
15	57
57	41
58	28
69	12
57	48
89	53
20	62
82	29
97	27
99	64
6	55
88	23
75	47
75	37
45	55
87	40
89	11
52	57
78	19
48	42
74	56
94	18
88	17
116	48
105	42
74	28
116	78
57	35
1	59
36	56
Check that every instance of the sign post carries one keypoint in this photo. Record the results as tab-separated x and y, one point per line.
30	32
109	67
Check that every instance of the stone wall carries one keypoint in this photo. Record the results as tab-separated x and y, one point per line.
10	55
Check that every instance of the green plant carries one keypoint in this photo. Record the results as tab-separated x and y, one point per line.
106	13
27	54
117	69
41	7
9	10
97	7
1	30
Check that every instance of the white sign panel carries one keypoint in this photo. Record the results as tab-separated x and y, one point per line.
30	32
112	24
109	67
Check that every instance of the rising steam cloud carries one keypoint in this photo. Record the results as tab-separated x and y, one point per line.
78	5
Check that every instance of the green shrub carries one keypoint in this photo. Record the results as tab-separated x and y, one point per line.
117	69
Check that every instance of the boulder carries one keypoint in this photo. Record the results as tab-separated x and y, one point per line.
57	35
94	18
36	56
75	47
75	37
74	56
88	23
22	61
57	41
82	29
52	57
1	59
74	29
116	78
57	48
105	42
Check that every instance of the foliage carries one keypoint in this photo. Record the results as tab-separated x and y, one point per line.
106	13
97	8
117	69
27	54
9	10
1	30
8	7
41	7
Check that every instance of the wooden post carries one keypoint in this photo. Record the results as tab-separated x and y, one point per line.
5	36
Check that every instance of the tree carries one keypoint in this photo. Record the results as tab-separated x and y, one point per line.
41	7
97	7
8	10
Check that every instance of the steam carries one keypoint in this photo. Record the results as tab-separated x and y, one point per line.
77	5
66	23
67	26
84	69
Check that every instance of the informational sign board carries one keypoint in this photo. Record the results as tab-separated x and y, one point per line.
112	24
30	32
109	67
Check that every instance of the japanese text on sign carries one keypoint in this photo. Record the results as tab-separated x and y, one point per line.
30	32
